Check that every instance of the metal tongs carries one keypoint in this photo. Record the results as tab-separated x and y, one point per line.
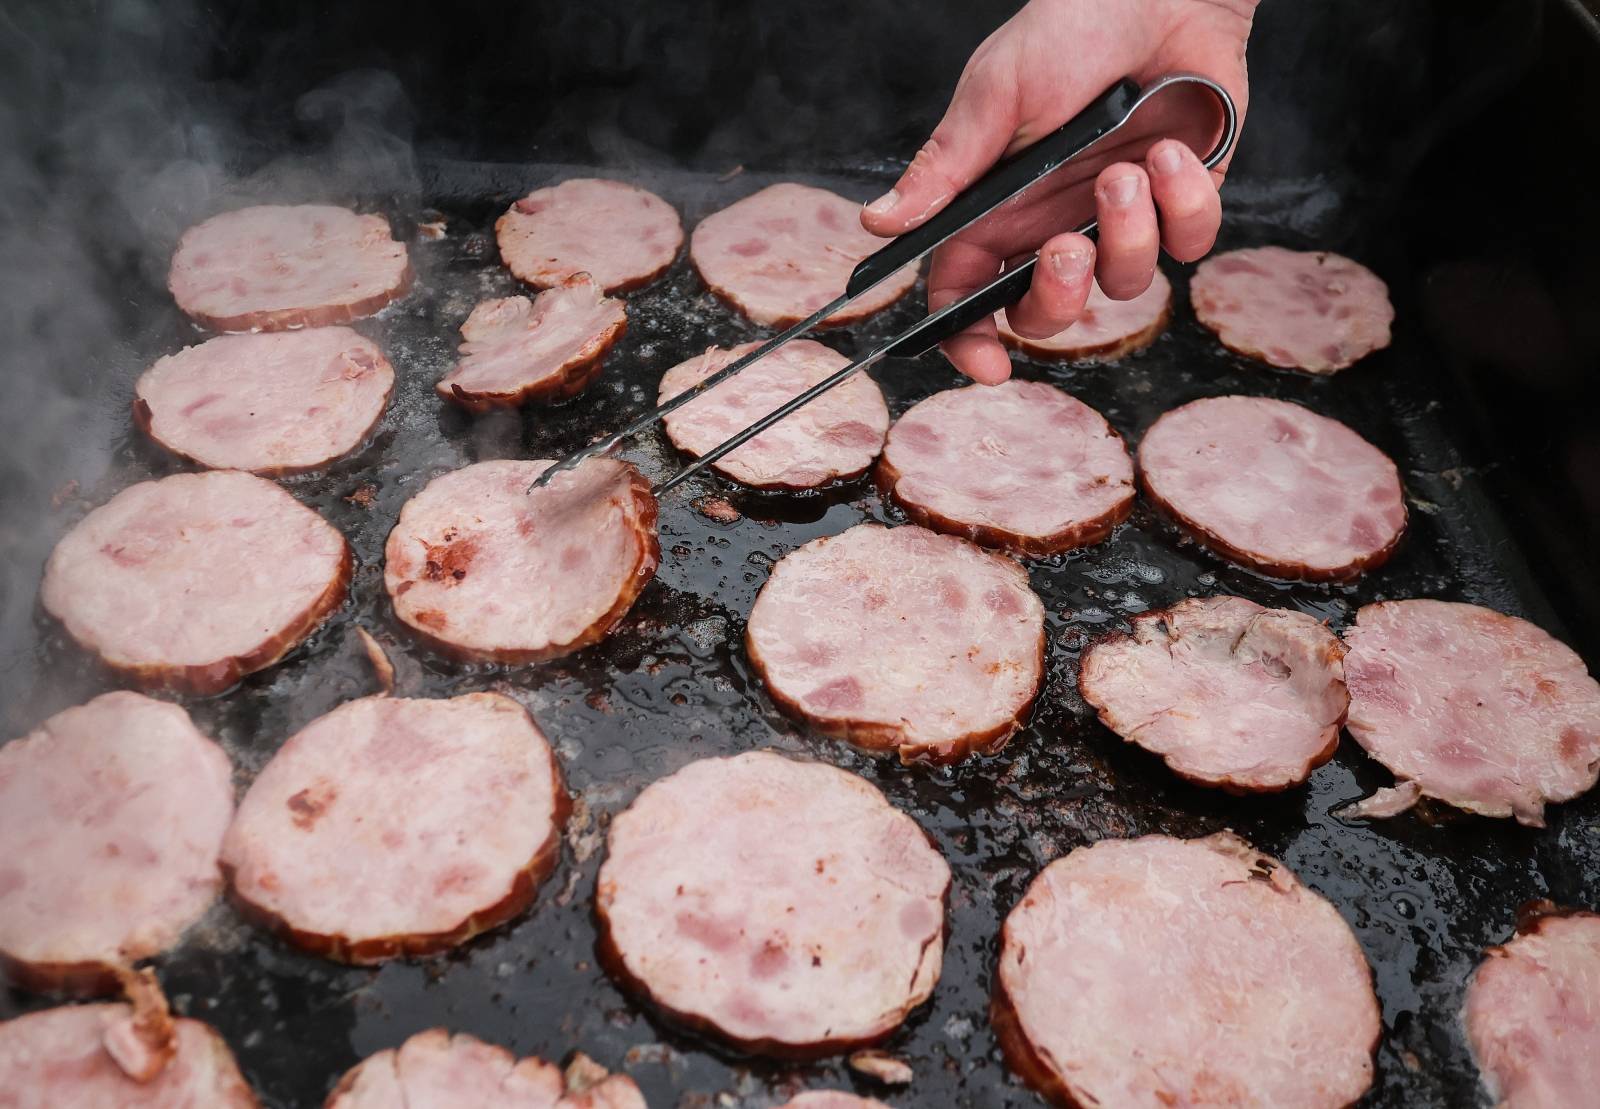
1108	113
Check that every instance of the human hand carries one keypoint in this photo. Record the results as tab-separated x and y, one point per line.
1032	75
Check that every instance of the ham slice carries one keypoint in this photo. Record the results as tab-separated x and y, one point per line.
111	817
276	266
59	1058
831	1099
281	403
835	436
1228	693
1301	310
196	580
1474	708
620	235
1275	487
900	639
546	349
1107	330
1533	1013
1022	466
484	569
786	251
1160	972
785	907
330	849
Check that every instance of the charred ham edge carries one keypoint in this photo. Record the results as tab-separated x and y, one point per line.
378	658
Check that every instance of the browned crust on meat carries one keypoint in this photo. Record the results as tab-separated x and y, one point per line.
612	962
205	679
85	979
553	280
1085	533
1533	915
368	950
1286	571
286	319
643	526
770	486
878	738
144	419
1095	352
1234	786
572	378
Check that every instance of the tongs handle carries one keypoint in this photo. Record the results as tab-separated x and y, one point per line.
1009	177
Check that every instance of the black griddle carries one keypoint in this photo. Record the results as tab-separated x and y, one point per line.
1425	892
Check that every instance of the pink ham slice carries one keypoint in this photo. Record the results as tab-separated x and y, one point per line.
1263	993
1474	708
1228	693
1533	1013
546	349
435	1070
1021	466
835	436
1275	487
484	569
785	907
111	817
329	849
284	266
196	580
1107	330
831	1099
1301	310
281	403
64	1057
621	236
900	639
783	253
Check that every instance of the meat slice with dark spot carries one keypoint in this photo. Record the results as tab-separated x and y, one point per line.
333	848
1263	994
484	569
195	580
1227	692
1107	330
620	235
854	635
276	267
803	961
1471	707
111	819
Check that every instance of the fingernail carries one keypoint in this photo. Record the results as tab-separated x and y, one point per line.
885	203
1167	160
1122	191
1070	265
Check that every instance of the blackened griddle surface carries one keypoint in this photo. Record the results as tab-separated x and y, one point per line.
1425	893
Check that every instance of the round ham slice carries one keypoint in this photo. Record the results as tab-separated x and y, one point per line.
1022	466
546	349
831	1099
785	907
1228	693
281	403
111	817
899	639
1533	1013
436	1069
1301	310
835	436
786	251
484	569
1474	708
1275	487
330	849
1263	993
193	581
68	1057
1107	330
278	266
620	235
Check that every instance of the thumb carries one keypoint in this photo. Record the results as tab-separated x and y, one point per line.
974	132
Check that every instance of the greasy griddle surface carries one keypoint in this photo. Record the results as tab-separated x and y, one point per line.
1425	894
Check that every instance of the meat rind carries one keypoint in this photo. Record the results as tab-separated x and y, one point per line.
784	907
1107	330
622	236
